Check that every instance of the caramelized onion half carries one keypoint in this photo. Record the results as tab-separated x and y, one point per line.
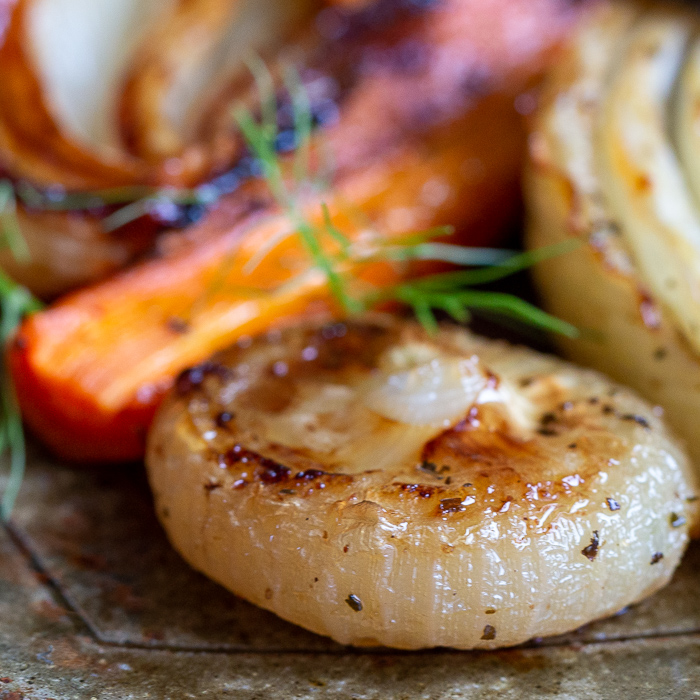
552	498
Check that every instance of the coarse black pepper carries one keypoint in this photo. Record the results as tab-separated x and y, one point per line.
489	633
354	602
612	504
677	520
591	551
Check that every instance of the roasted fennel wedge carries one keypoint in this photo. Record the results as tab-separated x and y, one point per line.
606	165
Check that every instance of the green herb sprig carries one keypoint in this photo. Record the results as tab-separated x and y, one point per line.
449	292
16	302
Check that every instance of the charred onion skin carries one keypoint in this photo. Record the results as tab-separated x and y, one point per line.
557	498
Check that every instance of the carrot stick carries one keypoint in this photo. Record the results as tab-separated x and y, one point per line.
91	371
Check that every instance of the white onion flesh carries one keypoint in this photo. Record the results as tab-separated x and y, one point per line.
436	392
81	49
273	477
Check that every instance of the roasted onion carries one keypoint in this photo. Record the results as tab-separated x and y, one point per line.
549	498
613	153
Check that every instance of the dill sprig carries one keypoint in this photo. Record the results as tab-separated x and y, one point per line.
448	292
16	302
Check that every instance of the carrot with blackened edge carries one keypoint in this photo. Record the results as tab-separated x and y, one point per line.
91	371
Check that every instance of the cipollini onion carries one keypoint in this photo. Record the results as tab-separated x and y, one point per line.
552	497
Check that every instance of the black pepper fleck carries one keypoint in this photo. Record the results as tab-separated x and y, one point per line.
354	602
656	557
640	420
489	632
677	520
612	504
591	551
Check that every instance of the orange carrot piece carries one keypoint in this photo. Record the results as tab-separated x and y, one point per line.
91	370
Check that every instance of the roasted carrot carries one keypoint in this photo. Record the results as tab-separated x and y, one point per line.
91	371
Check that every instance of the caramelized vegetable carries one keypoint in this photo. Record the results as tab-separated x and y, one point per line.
613	162
91	370
381	486
139	92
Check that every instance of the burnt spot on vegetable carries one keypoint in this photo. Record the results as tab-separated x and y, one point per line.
354	602
192	378
266	470
420	490
310	475
656	557
270	472
591	551
450	505
224	418
677	520
489	632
